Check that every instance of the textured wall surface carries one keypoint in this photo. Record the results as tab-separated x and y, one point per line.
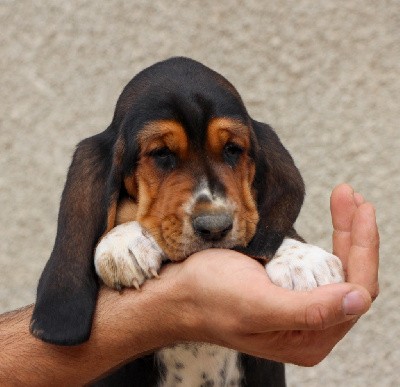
324	74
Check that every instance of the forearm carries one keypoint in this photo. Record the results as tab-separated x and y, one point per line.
124	327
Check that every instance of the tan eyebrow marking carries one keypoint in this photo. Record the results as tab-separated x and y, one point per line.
222	130
161	133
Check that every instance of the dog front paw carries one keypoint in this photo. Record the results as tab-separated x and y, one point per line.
301	266
127	256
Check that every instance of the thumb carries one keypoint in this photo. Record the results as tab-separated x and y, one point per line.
317	309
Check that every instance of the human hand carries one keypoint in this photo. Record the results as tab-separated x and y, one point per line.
229	299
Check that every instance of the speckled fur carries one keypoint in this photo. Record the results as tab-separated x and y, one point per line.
199	364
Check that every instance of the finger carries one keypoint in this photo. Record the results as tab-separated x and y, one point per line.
343	207
363	259
317	309
359	199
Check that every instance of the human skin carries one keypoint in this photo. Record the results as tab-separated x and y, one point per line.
215	296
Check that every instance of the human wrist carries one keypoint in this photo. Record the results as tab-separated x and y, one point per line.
136	321
202	314
181	304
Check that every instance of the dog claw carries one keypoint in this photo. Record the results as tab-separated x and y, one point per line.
154	273
136	285
117	286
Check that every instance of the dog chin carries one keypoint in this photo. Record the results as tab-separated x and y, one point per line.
182	252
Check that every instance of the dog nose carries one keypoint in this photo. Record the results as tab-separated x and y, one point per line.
212	227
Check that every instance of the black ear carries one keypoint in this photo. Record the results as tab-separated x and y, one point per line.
67	290
280	192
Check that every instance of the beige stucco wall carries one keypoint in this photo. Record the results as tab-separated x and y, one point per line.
325	74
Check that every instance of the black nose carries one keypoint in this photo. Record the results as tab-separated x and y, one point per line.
212	227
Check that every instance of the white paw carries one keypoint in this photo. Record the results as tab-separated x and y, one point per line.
127	256
300	266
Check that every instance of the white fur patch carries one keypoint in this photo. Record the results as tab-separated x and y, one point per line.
198	364
217	202
301	266
127	256
203	189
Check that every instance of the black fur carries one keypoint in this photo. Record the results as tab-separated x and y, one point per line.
67	289
143	372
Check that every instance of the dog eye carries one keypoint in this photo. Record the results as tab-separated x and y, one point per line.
164	158
232	153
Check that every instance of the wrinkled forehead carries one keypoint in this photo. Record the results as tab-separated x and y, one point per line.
180	139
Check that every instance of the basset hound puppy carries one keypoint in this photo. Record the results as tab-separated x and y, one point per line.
181	168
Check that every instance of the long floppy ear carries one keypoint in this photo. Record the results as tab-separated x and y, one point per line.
67	290
280	193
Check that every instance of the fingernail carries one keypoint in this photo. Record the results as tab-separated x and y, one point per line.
359	199
354	303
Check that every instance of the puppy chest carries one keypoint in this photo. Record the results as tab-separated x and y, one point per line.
198	364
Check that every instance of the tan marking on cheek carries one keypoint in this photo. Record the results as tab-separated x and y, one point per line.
155	135
126	211
248	173
173	236
238	185
165	216
148	186
130	185
250	202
